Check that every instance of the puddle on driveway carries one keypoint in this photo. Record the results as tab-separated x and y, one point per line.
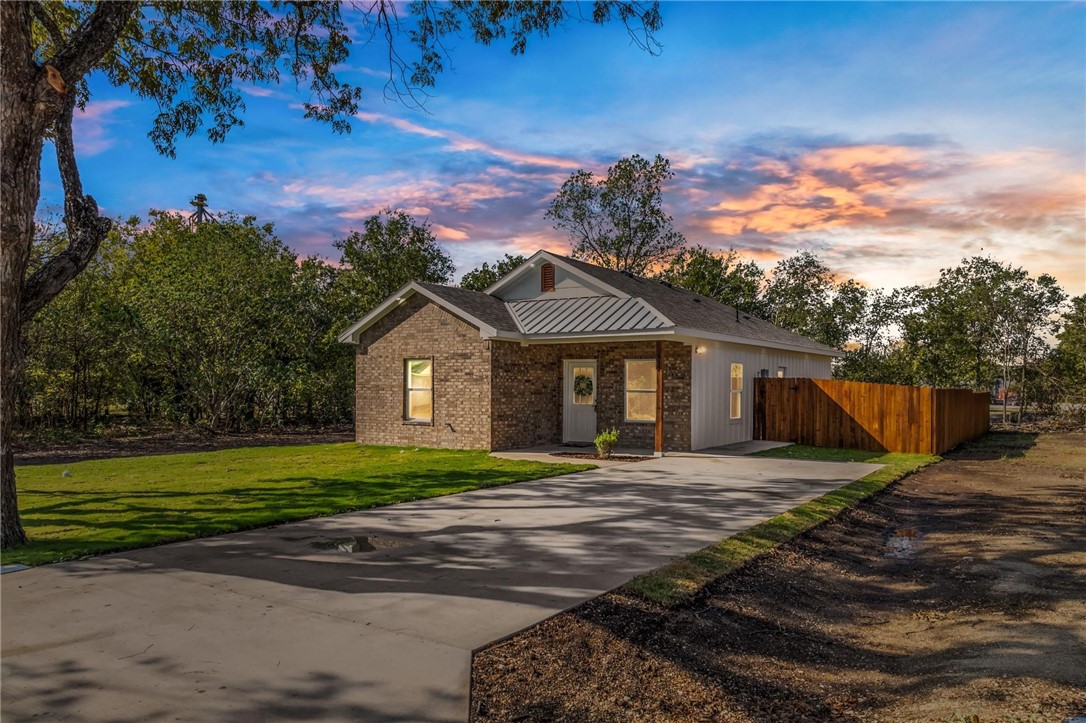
902	543
362	543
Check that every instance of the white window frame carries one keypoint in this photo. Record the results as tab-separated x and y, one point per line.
407	389
626	391
734	393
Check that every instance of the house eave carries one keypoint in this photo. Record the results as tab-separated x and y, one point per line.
350	336
746	341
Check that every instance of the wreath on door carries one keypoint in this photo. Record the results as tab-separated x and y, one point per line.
582	385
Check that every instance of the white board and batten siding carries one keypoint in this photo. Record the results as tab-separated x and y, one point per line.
710	387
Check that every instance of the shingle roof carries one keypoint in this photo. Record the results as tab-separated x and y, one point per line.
484	307
694	311
585	314
652	306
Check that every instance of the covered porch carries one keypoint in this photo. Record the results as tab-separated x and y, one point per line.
550	394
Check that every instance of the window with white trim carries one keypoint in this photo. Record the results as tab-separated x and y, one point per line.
736	402
640	390
418	403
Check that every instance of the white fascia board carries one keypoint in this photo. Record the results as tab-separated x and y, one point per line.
405	292
533	262
746	341
515	273
350	335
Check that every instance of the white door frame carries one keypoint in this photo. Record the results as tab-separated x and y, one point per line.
574	416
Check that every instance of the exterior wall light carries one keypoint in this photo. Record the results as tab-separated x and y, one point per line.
699	350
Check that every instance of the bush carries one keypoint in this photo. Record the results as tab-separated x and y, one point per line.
606	441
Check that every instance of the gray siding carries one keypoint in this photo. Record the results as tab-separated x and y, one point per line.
711	425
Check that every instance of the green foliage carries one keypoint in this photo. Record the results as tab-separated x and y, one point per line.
118	504
722	276
681	580
485	276
606	441
802	295
70	375
212	314
215	324
191	58
391	250
618	222
981	319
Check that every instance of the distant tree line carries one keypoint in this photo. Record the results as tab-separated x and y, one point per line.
219	325
215	325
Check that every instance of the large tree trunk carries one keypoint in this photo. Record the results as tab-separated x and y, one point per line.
22	139
34	98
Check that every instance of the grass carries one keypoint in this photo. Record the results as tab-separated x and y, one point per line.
682	579
89	508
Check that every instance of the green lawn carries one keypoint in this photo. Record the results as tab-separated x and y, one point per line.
681	580
116	504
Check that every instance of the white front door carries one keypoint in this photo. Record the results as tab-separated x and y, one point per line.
579	408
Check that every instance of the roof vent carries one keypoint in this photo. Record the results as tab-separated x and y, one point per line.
697	300
624	272
546	277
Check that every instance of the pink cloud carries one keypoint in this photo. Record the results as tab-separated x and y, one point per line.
462	143
90	127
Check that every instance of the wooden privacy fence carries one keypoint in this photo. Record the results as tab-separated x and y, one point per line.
874	417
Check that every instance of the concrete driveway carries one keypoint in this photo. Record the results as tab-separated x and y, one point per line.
265	625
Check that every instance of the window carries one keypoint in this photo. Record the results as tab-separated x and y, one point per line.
782	372
640	390
546	277
763	373
418	390
736	408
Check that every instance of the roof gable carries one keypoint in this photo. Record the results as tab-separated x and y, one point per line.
486	313
570	281
601	302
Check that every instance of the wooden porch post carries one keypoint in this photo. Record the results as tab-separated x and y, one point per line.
659	450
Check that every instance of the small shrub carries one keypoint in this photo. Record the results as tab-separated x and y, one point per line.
606	441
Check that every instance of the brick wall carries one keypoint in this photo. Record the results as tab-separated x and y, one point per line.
461	411
496	394
526	393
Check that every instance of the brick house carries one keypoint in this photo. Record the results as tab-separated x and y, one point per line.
558	350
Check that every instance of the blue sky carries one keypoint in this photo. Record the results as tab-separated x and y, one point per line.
893	139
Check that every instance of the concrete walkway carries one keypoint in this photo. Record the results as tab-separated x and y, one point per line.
263	625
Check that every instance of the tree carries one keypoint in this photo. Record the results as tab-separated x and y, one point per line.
1068	361
392	250
618	222
71	377
485	276
189	57
213	308
723	276
802	295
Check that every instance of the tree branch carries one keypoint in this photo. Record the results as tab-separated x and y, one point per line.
88	45
48	23
86	228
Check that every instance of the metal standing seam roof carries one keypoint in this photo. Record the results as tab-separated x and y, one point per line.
585	314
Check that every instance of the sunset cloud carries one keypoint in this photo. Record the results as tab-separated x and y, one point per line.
458	142
91	126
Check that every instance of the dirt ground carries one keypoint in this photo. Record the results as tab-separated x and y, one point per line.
960	591
27	452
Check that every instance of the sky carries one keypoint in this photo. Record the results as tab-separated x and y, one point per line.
892	139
